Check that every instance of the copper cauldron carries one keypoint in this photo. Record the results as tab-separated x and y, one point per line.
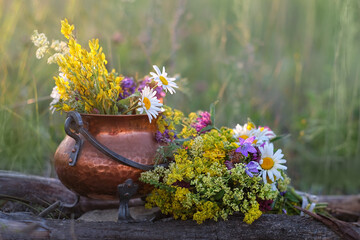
83	165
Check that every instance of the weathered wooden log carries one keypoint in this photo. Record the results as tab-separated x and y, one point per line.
41	190
266	227
45	191
343	207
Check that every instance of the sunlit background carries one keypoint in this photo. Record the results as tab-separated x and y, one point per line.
291	65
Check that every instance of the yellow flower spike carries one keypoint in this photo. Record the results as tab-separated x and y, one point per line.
250	125
67	108
66	28
94	45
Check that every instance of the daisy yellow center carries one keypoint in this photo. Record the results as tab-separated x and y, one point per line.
163	80
267	163
244	137
147	103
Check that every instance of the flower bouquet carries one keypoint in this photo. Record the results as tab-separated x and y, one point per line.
217	172
85	85
212	173
110	117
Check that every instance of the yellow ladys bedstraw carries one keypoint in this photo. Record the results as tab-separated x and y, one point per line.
253	214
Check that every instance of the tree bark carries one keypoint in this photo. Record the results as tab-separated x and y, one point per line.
45	191
266	227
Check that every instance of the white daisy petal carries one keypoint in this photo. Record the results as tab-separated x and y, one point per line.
157	70
271	175
277	173
281	167
264	177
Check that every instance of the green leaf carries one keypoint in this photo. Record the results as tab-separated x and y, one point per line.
212	112
207	128
219	195
124	102
291	197
181	140
279	137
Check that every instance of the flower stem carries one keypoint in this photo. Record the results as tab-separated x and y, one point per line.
133	107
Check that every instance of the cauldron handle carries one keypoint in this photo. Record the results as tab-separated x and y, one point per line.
74	125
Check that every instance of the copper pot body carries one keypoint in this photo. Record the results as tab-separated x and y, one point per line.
97	176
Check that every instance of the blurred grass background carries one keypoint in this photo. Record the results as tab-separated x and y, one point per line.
291	65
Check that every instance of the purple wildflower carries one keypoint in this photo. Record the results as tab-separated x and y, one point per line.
256	156
229	165
284	211
251	167
246	147
128	86
147	82
163	137
202	121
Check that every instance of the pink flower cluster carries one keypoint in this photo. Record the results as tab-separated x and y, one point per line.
202	121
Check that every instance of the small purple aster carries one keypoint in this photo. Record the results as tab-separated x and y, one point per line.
251	167
246	147
202	121
128	86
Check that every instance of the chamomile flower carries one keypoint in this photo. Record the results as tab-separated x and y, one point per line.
163	80
270	163
267	132
149	103
242	131
248	130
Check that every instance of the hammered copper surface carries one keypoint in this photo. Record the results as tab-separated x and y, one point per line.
96	175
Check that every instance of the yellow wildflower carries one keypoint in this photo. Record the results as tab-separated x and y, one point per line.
205	211
66	28
253	214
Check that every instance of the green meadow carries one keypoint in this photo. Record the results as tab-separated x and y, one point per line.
290	65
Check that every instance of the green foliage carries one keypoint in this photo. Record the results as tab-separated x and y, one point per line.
290	64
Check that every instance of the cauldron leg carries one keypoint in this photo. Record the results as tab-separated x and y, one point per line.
125	192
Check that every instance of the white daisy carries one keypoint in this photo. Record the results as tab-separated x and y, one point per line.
242	131
163	80
149	103
267	132
270	163
260	136
248	130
